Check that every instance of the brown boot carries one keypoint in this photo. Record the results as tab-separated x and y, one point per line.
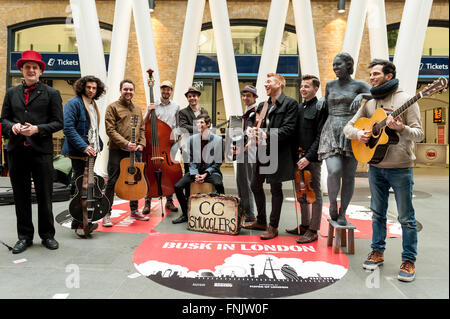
308	237
255	225
146	209
170	205
294	231
270	233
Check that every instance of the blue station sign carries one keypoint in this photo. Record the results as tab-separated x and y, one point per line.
247	65
56	63
432	67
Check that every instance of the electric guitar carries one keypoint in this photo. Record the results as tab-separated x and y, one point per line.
89	202
131	184
382	136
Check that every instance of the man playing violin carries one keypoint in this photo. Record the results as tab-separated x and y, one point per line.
310	119
278	115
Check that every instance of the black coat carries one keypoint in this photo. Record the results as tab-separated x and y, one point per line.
284	119
310	120
44	109
186	118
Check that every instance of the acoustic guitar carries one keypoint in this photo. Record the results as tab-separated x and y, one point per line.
131	184
374	151
89	202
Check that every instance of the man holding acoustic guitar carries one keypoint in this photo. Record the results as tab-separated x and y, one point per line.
395	169
118	120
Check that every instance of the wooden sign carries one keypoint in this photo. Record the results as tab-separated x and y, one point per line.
214	214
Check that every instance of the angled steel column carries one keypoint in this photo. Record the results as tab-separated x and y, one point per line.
225	57
376	23
272	44
92	58
411	36
146	44
305	38
188	50
354	30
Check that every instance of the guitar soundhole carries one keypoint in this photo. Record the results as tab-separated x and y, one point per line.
131	170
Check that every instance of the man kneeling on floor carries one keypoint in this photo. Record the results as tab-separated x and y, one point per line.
205	153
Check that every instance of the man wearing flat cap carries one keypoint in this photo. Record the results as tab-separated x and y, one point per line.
186	122
244	170
31	113
167	111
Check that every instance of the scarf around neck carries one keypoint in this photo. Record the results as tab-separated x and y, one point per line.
381	91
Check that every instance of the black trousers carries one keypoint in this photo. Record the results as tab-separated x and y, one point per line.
24	164
115	156
185	182
260	199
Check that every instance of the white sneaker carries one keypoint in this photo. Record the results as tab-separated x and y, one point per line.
106	222
138	216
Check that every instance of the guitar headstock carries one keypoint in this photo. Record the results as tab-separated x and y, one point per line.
438	85
134	120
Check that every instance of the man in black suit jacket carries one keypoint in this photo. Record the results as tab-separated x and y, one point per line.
31	113
280	122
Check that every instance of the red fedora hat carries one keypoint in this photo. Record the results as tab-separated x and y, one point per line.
31	56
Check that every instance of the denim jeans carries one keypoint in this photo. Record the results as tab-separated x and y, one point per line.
401	181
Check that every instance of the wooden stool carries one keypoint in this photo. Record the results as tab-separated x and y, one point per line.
341	236
203	188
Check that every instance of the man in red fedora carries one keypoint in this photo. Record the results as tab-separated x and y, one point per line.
31	113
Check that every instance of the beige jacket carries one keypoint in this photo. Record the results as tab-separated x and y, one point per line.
118	124
399	155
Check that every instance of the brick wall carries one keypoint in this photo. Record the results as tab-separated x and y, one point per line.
168	22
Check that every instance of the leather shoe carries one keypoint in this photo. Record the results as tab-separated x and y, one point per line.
294	231
21	246
270	233
308	237
50	243
179	220
170	206
255	225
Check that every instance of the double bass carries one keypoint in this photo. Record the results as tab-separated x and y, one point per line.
162	173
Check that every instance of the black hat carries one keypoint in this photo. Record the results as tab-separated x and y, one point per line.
192	90
251	89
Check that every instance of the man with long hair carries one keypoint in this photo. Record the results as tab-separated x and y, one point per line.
81	114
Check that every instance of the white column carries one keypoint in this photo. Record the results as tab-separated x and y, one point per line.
376	23
189	49
408	51
272	44
225	57
116	71
354	30
146	44
92	59
305	37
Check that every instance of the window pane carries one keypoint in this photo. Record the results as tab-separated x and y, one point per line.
53	38
246	40
436	41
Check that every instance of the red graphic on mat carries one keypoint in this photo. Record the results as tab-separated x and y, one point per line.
238	266
120	217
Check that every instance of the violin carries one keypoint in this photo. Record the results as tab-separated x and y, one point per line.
161	172
303	187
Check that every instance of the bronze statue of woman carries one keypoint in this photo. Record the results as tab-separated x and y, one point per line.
334	147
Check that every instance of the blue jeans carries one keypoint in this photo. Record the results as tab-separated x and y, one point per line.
401	181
